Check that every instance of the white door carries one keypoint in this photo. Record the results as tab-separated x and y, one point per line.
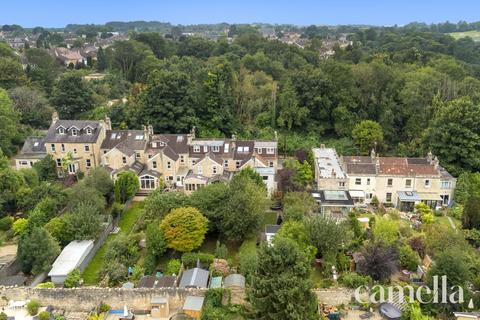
72	168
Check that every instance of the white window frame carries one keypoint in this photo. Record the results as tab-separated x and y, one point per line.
200	170
388	195
226	148
74	132
89	131
408	185
216	149
259	150
225	163
61	130
52	147
182	158
169	165
214	169
196	148
205	148
137	155
154	164
388	182
427	183
270	150
124	160
238	164
154	144
62	147
358	181
59	162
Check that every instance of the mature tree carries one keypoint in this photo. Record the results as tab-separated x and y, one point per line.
124	249
298	205
280	287
156	42
42	69
102	61
86	220
83	194
210	201
126	186
46	169
367	135
303	171
167	102
9	125
454	264
11	183
408	258
291	114
379	261
326	234
184	229
100	180
468	184
385	231
249	173
60	229
471	213
159	203
295	230
11	73
32	106
133	59
244	211
155	246
454	136
29	200
36	251
72	96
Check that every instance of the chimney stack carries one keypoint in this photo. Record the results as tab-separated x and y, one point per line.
150	130
108	123
373	153
55	117
322	146
145	132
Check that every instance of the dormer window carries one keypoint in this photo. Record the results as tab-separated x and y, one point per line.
88	130
270	150
74	132
196	148
61	130
216	149
154	144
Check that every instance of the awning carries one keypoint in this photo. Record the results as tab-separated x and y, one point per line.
357	194
429	196
408	196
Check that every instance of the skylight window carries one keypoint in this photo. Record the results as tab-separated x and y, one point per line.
139	137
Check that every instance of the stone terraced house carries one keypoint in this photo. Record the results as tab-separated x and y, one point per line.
181	160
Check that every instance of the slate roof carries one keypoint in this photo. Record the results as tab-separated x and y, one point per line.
54	137
194	278
34	147
124	140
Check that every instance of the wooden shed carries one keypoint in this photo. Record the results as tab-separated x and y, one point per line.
193	306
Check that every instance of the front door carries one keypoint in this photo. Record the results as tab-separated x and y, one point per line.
72	168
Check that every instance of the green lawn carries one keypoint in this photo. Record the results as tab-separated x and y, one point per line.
126	223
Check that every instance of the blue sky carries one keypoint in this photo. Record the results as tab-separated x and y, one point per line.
56	13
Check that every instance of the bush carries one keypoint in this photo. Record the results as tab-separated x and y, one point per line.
173	267
46	285
104	307
33	306
189	259
456	211
117	209
73	280
44	315
3	316
221	251
409	259
354	280
247	258
6	223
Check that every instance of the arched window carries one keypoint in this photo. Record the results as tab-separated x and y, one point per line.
147	182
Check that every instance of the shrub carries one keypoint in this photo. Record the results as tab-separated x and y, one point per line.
104	307
354	280
44	315
456	211
74	279
3	316
117	209
33	306
46	285
173	267
221	251
219	267
409	259
6	223
189	259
